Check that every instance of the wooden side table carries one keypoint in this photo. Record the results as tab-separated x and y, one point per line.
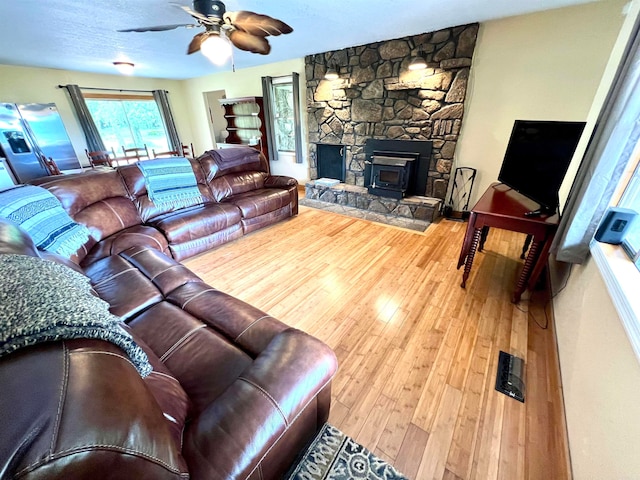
502	207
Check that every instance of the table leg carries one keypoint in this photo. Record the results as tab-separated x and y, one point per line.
529	263
472	253
525	247
466	244
483	238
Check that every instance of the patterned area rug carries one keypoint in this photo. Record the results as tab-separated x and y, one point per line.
335	456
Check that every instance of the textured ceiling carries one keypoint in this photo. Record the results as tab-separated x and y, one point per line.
82	35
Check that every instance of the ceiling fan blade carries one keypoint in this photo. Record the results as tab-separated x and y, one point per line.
158	28
256	23
250	43
198	16
196	42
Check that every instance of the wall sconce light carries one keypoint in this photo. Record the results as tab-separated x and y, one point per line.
125	68
332	74
418	63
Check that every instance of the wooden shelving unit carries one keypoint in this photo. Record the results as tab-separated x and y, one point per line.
245	123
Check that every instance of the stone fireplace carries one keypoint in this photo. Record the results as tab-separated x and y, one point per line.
377	97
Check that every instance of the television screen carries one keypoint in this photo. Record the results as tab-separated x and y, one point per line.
537	158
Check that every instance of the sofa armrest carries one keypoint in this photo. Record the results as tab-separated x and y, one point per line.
235	433
80	410
288	183
280	181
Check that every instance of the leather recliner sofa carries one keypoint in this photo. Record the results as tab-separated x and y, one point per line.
234	393
239	196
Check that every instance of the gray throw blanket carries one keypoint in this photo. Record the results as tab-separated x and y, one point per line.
42	301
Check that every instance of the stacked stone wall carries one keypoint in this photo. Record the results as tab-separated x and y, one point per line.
377	96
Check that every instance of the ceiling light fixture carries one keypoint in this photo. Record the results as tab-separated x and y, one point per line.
125	68
216	48
331	74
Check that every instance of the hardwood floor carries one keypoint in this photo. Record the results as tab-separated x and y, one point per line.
417	353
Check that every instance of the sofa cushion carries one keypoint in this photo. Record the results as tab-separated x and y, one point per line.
97	199
196	222
135	184
272	401
202	360
235	184
138	235
147	272
218	163
258	202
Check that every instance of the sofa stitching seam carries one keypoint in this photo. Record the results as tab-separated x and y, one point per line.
115	213
153	372
143	249
143	235
63	389
286	429
268	396
251	325
197	295
92	446
163	271
113	354
108	279
179	342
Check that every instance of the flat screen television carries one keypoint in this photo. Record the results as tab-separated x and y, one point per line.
537	159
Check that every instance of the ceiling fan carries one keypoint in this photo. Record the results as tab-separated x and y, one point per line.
246	30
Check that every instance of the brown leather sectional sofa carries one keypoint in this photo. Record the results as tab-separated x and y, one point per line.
240	196
234	393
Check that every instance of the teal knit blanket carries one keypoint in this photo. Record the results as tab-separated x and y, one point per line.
170	182
41	215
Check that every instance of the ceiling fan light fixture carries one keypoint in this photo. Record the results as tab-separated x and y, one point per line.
331	74
125	68
418	63
216	48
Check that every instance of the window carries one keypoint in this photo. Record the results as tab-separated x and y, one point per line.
282	116
283	119
128	121
619	274
631	199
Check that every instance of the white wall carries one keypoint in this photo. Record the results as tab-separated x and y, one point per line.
39	85
244	83
600	379
600	373
542	66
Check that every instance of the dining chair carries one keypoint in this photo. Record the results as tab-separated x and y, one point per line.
99	158
168	153
51	165
187	151
136	153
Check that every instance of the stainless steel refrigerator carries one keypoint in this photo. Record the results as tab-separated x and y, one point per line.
29	131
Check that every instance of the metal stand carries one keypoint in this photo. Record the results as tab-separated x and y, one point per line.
457	207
